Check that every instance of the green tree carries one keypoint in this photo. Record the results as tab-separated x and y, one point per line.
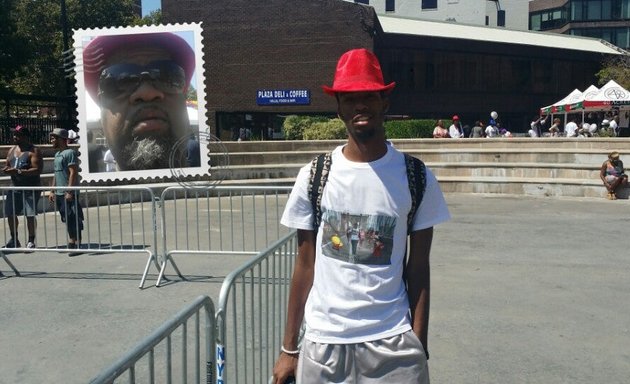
153	18
31	54
615	68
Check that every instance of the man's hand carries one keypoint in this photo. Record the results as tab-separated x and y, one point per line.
286	366
69	196
10	170
51	196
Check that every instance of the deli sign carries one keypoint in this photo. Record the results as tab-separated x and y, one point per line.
283	97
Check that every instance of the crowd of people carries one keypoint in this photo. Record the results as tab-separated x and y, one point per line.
591	125
459	131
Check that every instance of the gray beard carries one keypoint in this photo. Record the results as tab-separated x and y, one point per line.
148	153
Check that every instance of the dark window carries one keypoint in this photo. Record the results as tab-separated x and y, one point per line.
390	5
429	4
501	18
362	1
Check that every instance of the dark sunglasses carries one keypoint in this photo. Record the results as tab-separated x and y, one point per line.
122	79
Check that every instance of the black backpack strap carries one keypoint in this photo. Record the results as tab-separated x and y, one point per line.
416	178
320	167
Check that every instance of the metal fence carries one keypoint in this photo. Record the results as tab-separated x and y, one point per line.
251	314
220	221
194	365
115	219
41	114
249	321
182	221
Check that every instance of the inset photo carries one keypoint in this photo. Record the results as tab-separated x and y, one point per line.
140	96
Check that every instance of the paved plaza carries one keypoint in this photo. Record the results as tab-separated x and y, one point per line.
524	290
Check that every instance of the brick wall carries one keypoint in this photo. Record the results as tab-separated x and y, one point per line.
276	44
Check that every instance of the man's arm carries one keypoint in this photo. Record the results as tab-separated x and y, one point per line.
301	284
602	173
73	179
36	163
418	277
8	169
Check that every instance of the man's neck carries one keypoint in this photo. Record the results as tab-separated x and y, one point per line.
364	152
24	146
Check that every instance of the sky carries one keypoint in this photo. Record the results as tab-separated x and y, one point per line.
150	5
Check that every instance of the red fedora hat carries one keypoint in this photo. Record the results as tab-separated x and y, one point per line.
358	70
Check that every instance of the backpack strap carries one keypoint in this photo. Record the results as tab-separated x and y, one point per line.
320	168
416	178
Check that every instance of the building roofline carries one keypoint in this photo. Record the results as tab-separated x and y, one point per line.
450	30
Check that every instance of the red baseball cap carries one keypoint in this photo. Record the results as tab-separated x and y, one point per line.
358	70
98	51
20	130
455	117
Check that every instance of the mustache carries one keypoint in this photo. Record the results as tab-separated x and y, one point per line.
151	110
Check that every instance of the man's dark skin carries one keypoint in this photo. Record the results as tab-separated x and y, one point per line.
23	144
363	114
141	127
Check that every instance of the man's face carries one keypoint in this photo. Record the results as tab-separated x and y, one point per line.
143	107
56	141
18	139
363	114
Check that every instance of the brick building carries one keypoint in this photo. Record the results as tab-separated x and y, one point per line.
441	68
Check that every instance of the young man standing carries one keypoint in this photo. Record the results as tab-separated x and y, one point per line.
24	165
66	167
365	322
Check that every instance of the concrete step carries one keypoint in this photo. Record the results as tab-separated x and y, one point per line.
530	187
408	144
458	155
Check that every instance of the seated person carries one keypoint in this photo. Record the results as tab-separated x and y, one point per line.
612	174
440	132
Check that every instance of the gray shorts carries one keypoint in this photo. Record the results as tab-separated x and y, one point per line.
21	203
398	359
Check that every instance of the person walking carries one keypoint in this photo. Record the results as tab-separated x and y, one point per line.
66	168
24	165
365	322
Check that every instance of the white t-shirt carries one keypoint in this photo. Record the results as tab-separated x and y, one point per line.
454	132
570	129
492	131
110	162
614	126
358	297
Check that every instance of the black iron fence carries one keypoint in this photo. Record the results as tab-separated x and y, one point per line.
41	114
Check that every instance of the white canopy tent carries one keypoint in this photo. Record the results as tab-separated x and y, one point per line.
558	106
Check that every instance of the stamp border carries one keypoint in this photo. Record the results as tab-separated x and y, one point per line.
81	37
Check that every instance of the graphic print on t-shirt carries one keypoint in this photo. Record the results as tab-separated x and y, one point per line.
358	239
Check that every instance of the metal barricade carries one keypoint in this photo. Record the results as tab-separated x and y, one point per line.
251	314
115	220
221	220
189	369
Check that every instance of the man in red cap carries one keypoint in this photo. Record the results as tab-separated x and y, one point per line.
140	82
364	322
455	130
24	165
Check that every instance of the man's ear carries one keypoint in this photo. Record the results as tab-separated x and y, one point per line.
385	105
